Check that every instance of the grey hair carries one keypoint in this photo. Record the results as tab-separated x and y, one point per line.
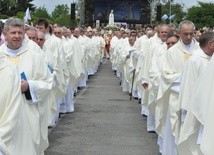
43	35
205	38
188	22
164	25
64	29
31	28
60	28
13	22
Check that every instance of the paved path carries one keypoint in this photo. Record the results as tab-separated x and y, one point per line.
105	122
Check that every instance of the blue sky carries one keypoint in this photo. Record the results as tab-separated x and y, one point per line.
50	4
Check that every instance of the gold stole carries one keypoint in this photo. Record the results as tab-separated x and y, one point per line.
186	56
14	60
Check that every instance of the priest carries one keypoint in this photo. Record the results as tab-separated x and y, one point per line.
201	104
36	79
168	91
15	136
193	69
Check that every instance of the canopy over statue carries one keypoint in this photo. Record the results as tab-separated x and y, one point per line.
111	19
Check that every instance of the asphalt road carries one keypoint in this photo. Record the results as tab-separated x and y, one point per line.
105	122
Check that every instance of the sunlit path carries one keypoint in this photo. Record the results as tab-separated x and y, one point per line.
105	122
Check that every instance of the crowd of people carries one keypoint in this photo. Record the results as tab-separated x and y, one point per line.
168	69
42	68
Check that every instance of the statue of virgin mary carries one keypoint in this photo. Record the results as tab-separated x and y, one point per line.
111	19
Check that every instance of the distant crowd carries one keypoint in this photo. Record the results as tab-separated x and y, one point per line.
167	68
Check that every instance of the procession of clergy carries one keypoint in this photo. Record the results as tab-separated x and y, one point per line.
41	70
167	68
170	70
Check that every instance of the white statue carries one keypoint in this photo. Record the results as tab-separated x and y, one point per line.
111	19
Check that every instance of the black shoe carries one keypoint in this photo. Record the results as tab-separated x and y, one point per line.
151	132
115	72
75	93
144	115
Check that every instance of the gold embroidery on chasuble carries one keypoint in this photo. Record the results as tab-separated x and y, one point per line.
14	60
186	56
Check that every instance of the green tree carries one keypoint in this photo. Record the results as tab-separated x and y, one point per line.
202	15
12	7
3	16
41	12
60	10
6	6
62	17
176	9
20	15
22	5
63	20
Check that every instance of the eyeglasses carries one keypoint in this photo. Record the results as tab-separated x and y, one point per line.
32	38
57	32
40	39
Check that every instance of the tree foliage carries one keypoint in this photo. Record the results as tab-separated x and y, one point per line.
61	16
63	20
12	7
22	5
202	15
41	12
6	6
60	10
20	15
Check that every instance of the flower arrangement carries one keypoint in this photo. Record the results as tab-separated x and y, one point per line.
112	27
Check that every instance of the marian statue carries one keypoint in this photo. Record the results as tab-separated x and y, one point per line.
111	19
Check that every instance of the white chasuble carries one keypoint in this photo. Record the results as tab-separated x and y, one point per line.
15	136
32	64
168	91
193	69
203	108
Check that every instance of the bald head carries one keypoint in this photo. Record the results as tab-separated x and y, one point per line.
41	39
